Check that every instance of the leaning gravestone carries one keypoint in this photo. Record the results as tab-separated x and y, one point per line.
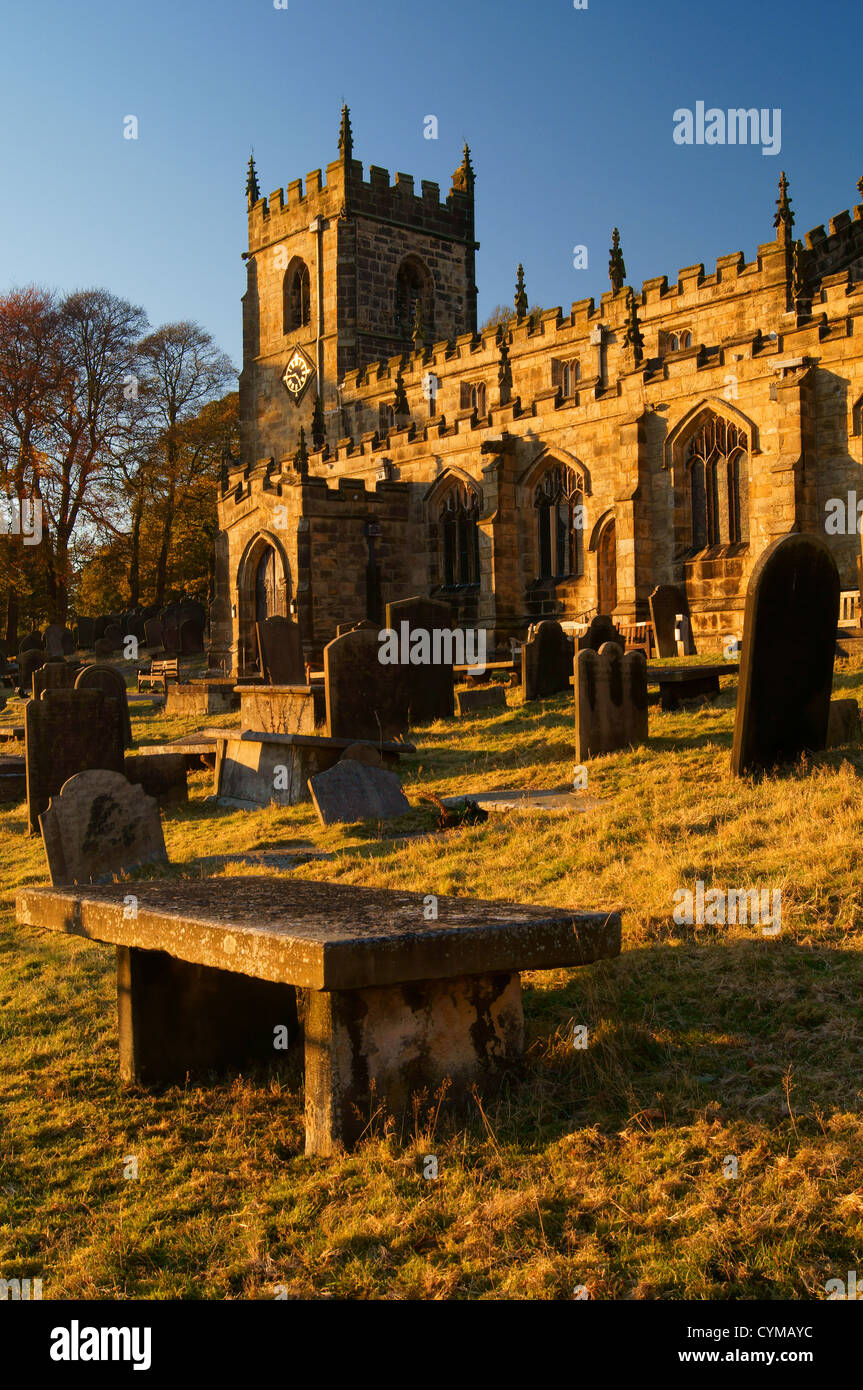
353	791
365	699
789	644
68	731
109	679
666	601
546	661
28	662
98	825
610	700
600	631
428	685
281	649
488	697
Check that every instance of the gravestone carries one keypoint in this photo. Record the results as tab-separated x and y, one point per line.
610	700
28	662
546	661
365	699
114	634
153	632
485	697
600	631
428	686
99	625
789	643
162	775
666	601
109	679
53	641
281	649
67	642
53	675
844	724
31	643
86	634
98	825
342	628
191	636
68	731
353	791
102	647
363	753
170	619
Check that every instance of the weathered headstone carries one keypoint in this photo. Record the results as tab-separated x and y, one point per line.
281	649
844	725
109	679
53	675
342	628
353	791
363	753
86	634
546	661
481	698
99	625
102	647
153	636
97	825
789	643
191	636
610	700
666	601
600	631
68	731
428	685
114	634
53	641
31	643
170	619
28	662
67	642
162	775
365	699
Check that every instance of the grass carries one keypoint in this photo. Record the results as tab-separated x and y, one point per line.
603	1168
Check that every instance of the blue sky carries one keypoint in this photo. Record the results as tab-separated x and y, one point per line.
569	114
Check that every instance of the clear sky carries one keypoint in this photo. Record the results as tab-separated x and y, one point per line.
569	115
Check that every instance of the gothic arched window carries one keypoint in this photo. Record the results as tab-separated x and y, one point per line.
559	503
413	284
297	296
570	375
458	520
716	462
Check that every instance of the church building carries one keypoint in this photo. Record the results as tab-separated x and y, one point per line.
559	465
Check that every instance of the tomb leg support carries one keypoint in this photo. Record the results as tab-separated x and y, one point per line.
175	1017
366	1047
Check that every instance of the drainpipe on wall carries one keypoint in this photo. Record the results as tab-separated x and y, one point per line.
318	228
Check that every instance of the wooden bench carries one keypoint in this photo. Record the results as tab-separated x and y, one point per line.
159	673
390	1003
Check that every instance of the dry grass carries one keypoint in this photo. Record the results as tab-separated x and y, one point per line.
603	1167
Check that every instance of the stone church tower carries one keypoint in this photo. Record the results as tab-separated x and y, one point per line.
340	275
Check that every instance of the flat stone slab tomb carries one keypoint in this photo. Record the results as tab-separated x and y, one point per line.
391	1003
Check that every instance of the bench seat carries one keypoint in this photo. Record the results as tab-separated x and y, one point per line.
391	1002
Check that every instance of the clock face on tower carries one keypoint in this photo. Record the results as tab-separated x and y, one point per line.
297	374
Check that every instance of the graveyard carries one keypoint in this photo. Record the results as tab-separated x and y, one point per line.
597	1167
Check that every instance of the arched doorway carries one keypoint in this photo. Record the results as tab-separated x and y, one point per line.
263	591
606	568
265	586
